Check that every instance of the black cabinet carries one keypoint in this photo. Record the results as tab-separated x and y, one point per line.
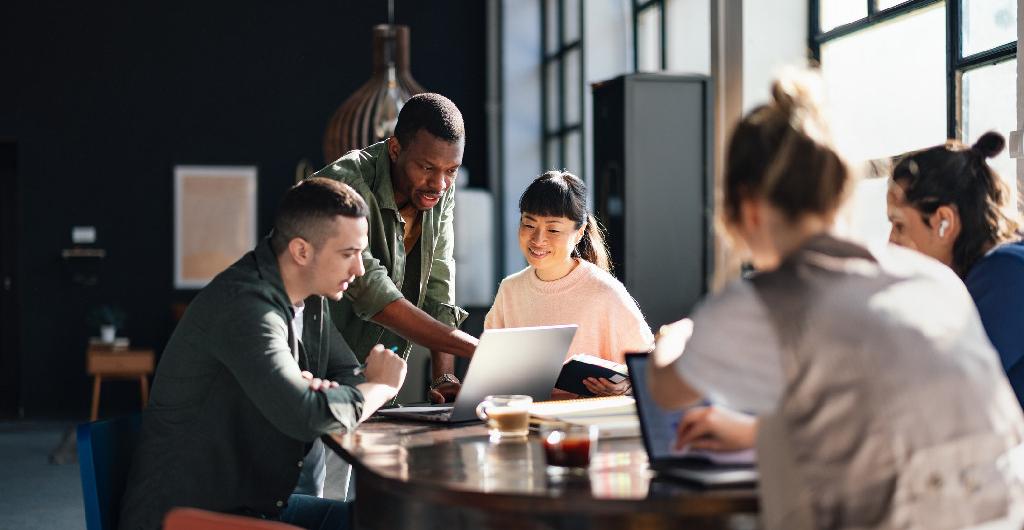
653	187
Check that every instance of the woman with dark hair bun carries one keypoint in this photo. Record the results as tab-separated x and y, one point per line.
948	203
568	280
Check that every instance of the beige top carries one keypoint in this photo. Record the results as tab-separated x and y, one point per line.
610	323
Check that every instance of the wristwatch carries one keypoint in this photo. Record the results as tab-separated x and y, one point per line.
444	378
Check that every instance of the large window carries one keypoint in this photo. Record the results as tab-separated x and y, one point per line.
562	80
903	75
906	75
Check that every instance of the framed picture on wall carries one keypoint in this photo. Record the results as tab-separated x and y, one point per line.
214	220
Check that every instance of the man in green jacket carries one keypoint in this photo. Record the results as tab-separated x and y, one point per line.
408	292
256	371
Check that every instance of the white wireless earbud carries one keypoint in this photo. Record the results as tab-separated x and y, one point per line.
943	225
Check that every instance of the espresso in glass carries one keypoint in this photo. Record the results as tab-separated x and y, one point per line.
568	447
507	416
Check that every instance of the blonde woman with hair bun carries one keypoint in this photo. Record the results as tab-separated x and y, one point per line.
866	381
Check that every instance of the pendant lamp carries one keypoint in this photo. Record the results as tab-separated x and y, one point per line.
369	115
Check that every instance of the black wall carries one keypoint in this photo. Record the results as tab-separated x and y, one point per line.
104	100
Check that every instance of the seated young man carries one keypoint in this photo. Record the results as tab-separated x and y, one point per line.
256	371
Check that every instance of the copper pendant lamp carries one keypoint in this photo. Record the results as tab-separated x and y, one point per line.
369	115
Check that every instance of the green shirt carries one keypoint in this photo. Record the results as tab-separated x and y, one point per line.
230	416
368	171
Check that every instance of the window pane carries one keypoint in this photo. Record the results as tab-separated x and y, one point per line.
573	154
989	104
648	40
886	4
552	22
987	24
571	23
551	150
688	35
572	88
553	93
863	217
835	13
880	107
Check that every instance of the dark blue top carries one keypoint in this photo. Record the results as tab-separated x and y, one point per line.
996	282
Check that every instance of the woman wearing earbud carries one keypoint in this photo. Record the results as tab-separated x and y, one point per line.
879	401
568	280
948	203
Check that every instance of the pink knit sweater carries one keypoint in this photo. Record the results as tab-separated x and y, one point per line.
610	323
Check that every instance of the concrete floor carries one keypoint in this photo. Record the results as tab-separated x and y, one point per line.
37	494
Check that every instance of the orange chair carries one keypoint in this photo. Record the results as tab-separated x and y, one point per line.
195	519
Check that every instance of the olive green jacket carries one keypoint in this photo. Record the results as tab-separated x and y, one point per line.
230	416
368	171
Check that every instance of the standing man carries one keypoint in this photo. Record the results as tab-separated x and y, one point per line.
256	370
407	294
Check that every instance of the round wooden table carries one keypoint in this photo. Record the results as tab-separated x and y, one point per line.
419	476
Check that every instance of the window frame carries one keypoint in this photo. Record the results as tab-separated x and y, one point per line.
956	63
557	56
639	6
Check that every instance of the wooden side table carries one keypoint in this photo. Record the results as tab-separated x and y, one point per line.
118	364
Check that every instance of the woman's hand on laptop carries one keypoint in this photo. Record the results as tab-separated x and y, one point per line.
603	387
713	428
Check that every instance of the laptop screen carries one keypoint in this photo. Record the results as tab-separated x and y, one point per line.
657	425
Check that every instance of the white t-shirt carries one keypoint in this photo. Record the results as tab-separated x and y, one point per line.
733	357
297	320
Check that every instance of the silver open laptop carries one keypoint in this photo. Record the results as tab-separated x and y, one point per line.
507	361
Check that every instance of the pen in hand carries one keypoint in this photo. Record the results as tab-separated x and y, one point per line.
359	370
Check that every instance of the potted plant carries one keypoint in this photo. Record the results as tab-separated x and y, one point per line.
108	319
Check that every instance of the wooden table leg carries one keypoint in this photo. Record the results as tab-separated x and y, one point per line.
144	388
96	380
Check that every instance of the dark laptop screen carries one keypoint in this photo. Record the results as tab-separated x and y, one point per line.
658	425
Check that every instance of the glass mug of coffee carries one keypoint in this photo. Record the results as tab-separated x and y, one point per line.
507	416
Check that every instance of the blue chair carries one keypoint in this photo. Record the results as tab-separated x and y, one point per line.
105	450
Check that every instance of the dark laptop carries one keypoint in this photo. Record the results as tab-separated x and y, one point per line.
658	428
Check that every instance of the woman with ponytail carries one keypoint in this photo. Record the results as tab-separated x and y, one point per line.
876	400
946	202
568	279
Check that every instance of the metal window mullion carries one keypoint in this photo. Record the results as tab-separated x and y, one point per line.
544	110
561	82
636	40
814	30
581	171
872	7
990	56
569	128
953	39
563	51
664	38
